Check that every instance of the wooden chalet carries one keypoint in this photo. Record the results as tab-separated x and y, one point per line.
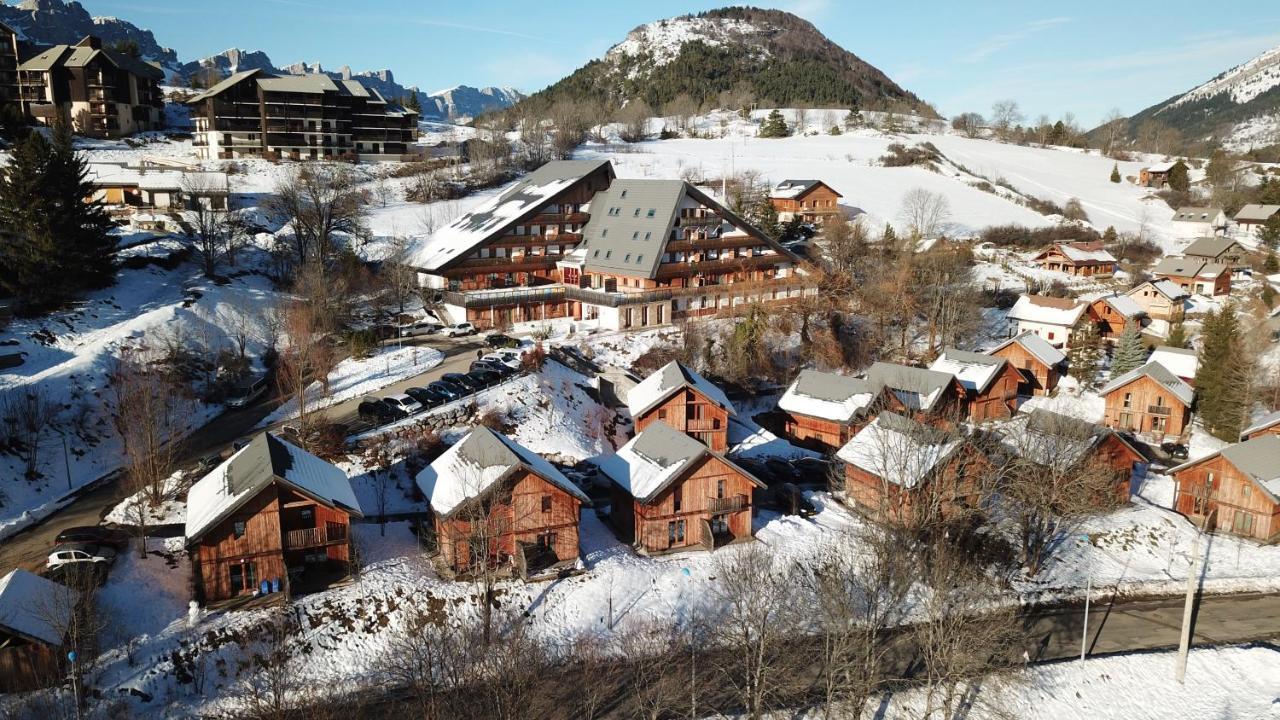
1252	218
920	391
1052	318
491	497
1195	276
35	614
1155	176
1235	490
1110	314
1161	300
684	400
1182	362
990	382
272	516
1218	251
1049	439
823	410
1080	259
902	470
1266	425
1040	364
671	492
812	201
1150	401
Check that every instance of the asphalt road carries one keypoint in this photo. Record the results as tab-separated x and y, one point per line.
30	548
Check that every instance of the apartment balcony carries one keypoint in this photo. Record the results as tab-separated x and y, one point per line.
701	221
701	424
556	218
331	534
672	270
506	265
715	243
621	298
728	504
499	297
564	238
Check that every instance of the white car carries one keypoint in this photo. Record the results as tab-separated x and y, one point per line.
508	357
72	553
405	403
459	329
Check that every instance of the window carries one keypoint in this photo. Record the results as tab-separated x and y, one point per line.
1128	400
627	258
607	254
639	259
547	541
237	528
677	498
1243	523
623	194
308	516
675	532
635	235
1050	335
596	253
546	503
604	232
648	235
237	578
720	488
662	413
652	212
636	213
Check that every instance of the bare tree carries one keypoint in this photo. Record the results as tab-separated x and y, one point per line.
269	680
571	121
320	202
925	213
968	124
305	357
29	413
654	691
433	660
1113	128
211	227
634	118
1005	116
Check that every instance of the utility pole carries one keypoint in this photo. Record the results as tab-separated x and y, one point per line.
1193	575
1088	590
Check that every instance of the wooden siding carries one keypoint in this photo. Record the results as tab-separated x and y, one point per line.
692	413
1273	430
889	501
648	525
812	206
825	436
1156	305
1137	415
1000	401
1054	259
1243	507
1109	321
1038	378
26	665
1220	285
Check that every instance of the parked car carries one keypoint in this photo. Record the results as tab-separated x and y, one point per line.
462	381
790	500
485	378
404	403
247	391
498	340
377	411
1176	451
492	366
238	445
782	470
81	553
511	358
449	390
207	463
756	468
459	329
425	327
428	396
813	471
114	538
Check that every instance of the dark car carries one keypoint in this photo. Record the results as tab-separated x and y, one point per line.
813	471
428	396
449	390
498	340
94	534
467	383
756	468
486	378
1176	451
782	470
790	500
493	367
377	411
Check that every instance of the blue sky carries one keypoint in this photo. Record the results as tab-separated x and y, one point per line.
1084	57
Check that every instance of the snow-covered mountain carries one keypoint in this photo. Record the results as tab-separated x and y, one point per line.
733	55
55	22
465	101
1240	107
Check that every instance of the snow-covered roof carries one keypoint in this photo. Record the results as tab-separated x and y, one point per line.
1256	213
828	396
899	450
500	212
1124	305
1048	310
1161	167
916	388
1085	252
1166	288
1210	247
34	607
792	189
671	377
652	460
1154	370
1258	458
1266	421
264	460
975	371
1036	345
479	462
1180	361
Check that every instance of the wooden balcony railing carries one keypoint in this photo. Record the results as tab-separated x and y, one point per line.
1159	410
545	218
727	504
701	424
314	537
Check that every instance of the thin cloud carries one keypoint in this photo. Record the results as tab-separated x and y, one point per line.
475	28
996	43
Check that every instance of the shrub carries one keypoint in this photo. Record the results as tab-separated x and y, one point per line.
899	155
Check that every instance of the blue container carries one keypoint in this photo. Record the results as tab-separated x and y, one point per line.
265	587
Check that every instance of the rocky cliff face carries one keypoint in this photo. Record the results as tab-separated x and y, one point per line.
54	22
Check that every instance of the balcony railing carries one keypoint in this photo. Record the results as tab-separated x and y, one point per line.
618	299
1159	410
313	537
701	424
503	296
573	217
728	504
696	220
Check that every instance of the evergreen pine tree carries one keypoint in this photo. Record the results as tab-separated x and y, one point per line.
1177	336
889	238
1268	295
1268	192
1224	377
766	218
1115	172
1085	353
411	102
1269	234
1270	265
1179	177
774	126
835	130
1130	352
1110	236
81	227
853	119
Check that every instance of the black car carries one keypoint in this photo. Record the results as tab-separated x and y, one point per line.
428	396
756	468
113	538
1176	451
378	411
486	378
466	383
813	471
498	340
449	390
493	367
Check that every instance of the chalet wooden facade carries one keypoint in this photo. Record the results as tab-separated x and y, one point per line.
1052	318
1060	443
684	400
1161	300
1079	259
495	503
1150	401
1039	363
1218	251
1267	425
811	201
1110	314
920	391
990	383
34	620
1234	490
101	92
823	410
1194	275
1155	176
272	514
671	493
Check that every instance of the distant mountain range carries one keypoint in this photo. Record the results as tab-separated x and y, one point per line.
1240	107
768	57
53	22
